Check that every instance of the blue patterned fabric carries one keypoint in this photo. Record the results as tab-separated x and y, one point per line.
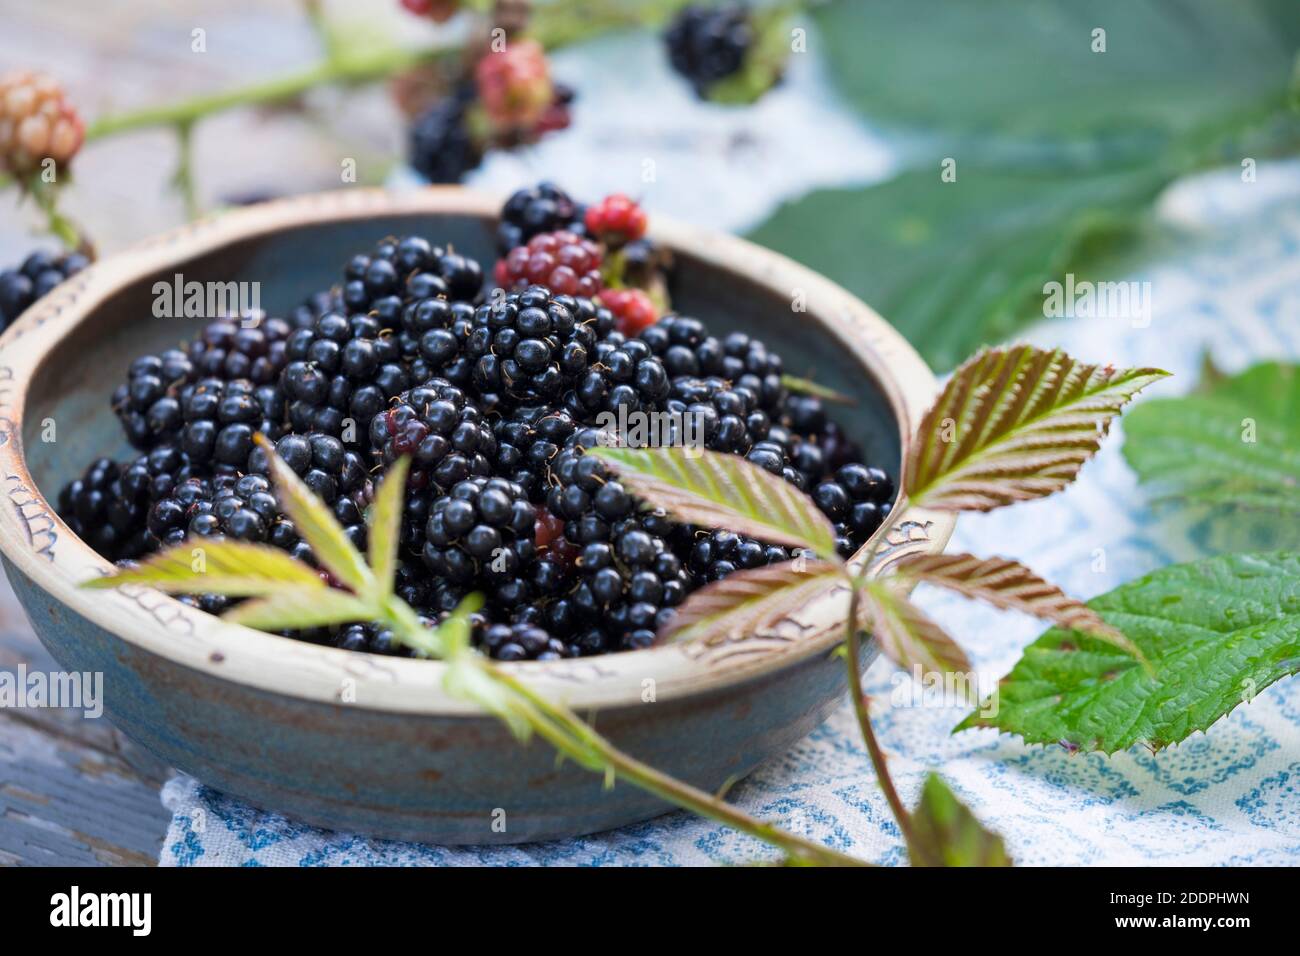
1231	796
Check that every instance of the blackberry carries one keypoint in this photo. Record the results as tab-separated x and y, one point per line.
483	531
625	375
708	44
443	432
93	506
39	273
713	555
341	374
441	147
686	349
220	419
314	306
369	638
399	270
150	403
335	474
528	440
520	642
530	346
541	208
228	506
433	339
644	264
856	499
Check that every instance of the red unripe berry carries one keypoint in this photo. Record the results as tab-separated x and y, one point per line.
633	310
563	262
616	219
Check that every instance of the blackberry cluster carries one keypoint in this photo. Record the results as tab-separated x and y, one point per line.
535	210
530	346
441	146
708	44
152	403
39	273
495	399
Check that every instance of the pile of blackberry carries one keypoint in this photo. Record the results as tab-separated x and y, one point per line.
494	395
39	273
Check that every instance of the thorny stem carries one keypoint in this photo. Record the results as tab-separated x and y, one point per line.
573	736
852	645
577	739
554	26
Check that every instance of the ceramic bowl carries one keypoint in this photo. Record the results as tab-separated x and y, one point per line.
372	744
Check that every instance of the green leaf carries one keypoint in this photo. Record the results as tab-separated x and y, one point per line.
1216	632
297	608
745	602
723	491
217	566
907	636
1014	424
954	266
384	525
317	525
994	71
1234	444
1008	584
947	834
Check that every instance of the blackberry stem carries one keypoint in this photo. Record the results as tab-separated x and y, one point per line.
572	736
860	700
553	26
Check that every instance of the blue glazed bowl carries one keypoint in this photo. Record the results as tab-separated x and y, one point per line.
372	744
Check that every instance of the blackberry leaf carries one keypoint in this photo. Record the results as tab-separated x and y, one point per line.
218	566
1234	444
1013	424
947	834
719	490
1216	632
745	602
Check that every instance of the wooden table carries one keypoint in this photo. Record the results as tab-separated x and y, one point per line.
73	791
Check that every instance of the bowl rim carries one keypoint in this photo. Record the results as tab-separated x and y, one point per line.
37	542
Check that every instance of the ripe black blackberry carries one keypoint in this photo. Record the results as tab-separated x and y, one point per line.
528	440
221	417
713	555
149	404
537	209
687	349
97	511
530	346
483	531
708	44
334	473
857	499
228	506
341	374
441	147
433	337
520	642
399	270
39	273
624	375
370	639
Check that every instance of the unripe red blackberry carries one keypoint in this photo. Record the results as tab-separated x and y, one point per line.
633	309
514	84
565	263
616	219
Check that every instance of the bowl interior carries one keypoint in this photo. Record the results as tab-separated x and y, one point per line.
72	386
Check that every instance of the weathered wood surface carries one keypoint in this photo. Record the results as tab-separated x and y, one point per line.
73	791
